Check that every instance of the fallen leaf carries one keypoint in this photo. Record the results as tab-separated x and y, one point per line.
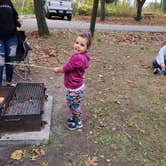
92	161
93	132
129	125
117	102
44	163
18	154
37	153
34	157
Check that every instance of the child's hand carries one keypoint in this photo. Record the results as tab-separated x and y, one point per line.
20	20
56	69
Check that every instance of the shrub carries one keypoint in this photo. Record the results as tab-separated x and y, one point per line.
119	10
26	8
85	9
123	9
153	5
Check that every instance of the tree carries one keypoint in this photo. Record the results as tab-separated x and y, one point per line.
93	16
102	14
140	4
116	2
109	1
163	6
41	22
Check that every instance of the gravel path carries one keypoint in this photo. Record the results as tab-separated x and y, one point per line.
30	23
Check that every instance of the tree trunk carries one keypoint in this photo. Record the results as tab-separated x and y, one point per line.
102	14
164	6
140	4
161	4
41	22
93	16
116	2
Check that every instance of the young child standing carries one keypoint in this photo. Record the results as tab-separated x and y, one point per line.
74	70
159	63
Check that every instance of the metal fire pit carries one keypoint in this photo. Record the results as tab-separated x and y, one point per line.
22	107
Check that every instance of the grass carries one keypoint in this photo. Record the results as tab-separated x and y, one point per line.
135	118
125	103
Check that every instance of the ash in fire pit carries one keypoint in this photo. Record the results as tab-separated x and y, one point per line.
22	107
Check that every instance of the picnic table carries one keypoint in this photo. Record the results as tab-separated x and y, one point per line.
148	15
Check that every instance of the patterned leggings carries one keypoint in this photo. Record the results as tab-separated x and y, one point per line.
73	99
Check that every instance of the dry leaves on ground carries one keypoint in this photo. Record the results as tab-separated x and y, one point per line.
37	153
44	163
18	154
91	161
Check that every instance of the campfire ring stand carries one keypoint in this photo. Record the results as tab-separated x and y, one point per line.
25	134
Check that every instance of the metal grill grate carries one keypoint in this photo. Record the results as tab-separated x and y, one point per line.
27	99
28	91
26	107
22	107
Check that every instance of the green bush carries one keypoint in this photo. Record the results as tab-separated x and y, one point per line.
111	10
153	5
153	8
27	8
85	9
110	1
120	10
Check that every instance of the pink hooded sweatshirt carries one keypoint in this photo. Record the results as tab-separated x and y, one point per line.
74	70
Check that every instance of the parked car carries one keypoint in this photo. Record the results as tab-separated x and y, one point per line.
60	8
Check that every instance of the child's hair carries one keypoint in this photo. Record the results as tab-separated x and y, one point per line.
86	35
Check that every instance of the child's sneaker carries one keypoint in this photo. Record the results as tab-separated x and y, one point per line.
156	71
79	124
75	125
10	84
163	71
71	119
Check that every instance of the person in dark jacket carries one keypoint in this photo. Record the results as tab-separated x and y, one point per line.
9	21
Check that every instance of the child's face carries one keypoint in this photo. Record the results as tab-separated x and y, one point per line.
80	45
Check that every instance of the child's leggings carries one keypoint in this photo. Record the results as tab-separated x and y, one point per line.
73	99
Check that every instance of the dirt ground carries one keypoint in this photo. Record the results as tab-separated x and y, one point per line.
124	106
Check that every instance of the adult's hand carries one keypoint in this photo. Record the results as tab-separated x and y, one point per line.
20	20
163	66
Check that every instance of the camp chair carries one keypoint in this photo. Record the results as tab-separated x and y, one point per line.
21	59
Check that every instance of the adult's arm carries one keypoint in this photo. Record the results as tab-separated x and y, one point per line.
15	16
160	56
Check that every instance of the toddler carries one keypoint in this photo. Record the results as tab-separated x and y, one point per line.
74	70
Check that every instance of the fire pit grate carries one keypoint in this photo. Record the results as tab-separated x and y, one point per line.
28	91
22	107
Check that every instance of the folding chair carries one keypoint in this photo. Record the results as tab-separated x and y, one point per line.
21	59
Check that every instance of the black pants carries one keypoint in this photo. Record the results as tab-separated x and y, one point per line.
156	65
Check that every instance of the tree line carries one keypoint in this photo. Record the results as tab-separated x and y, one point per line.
43	28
